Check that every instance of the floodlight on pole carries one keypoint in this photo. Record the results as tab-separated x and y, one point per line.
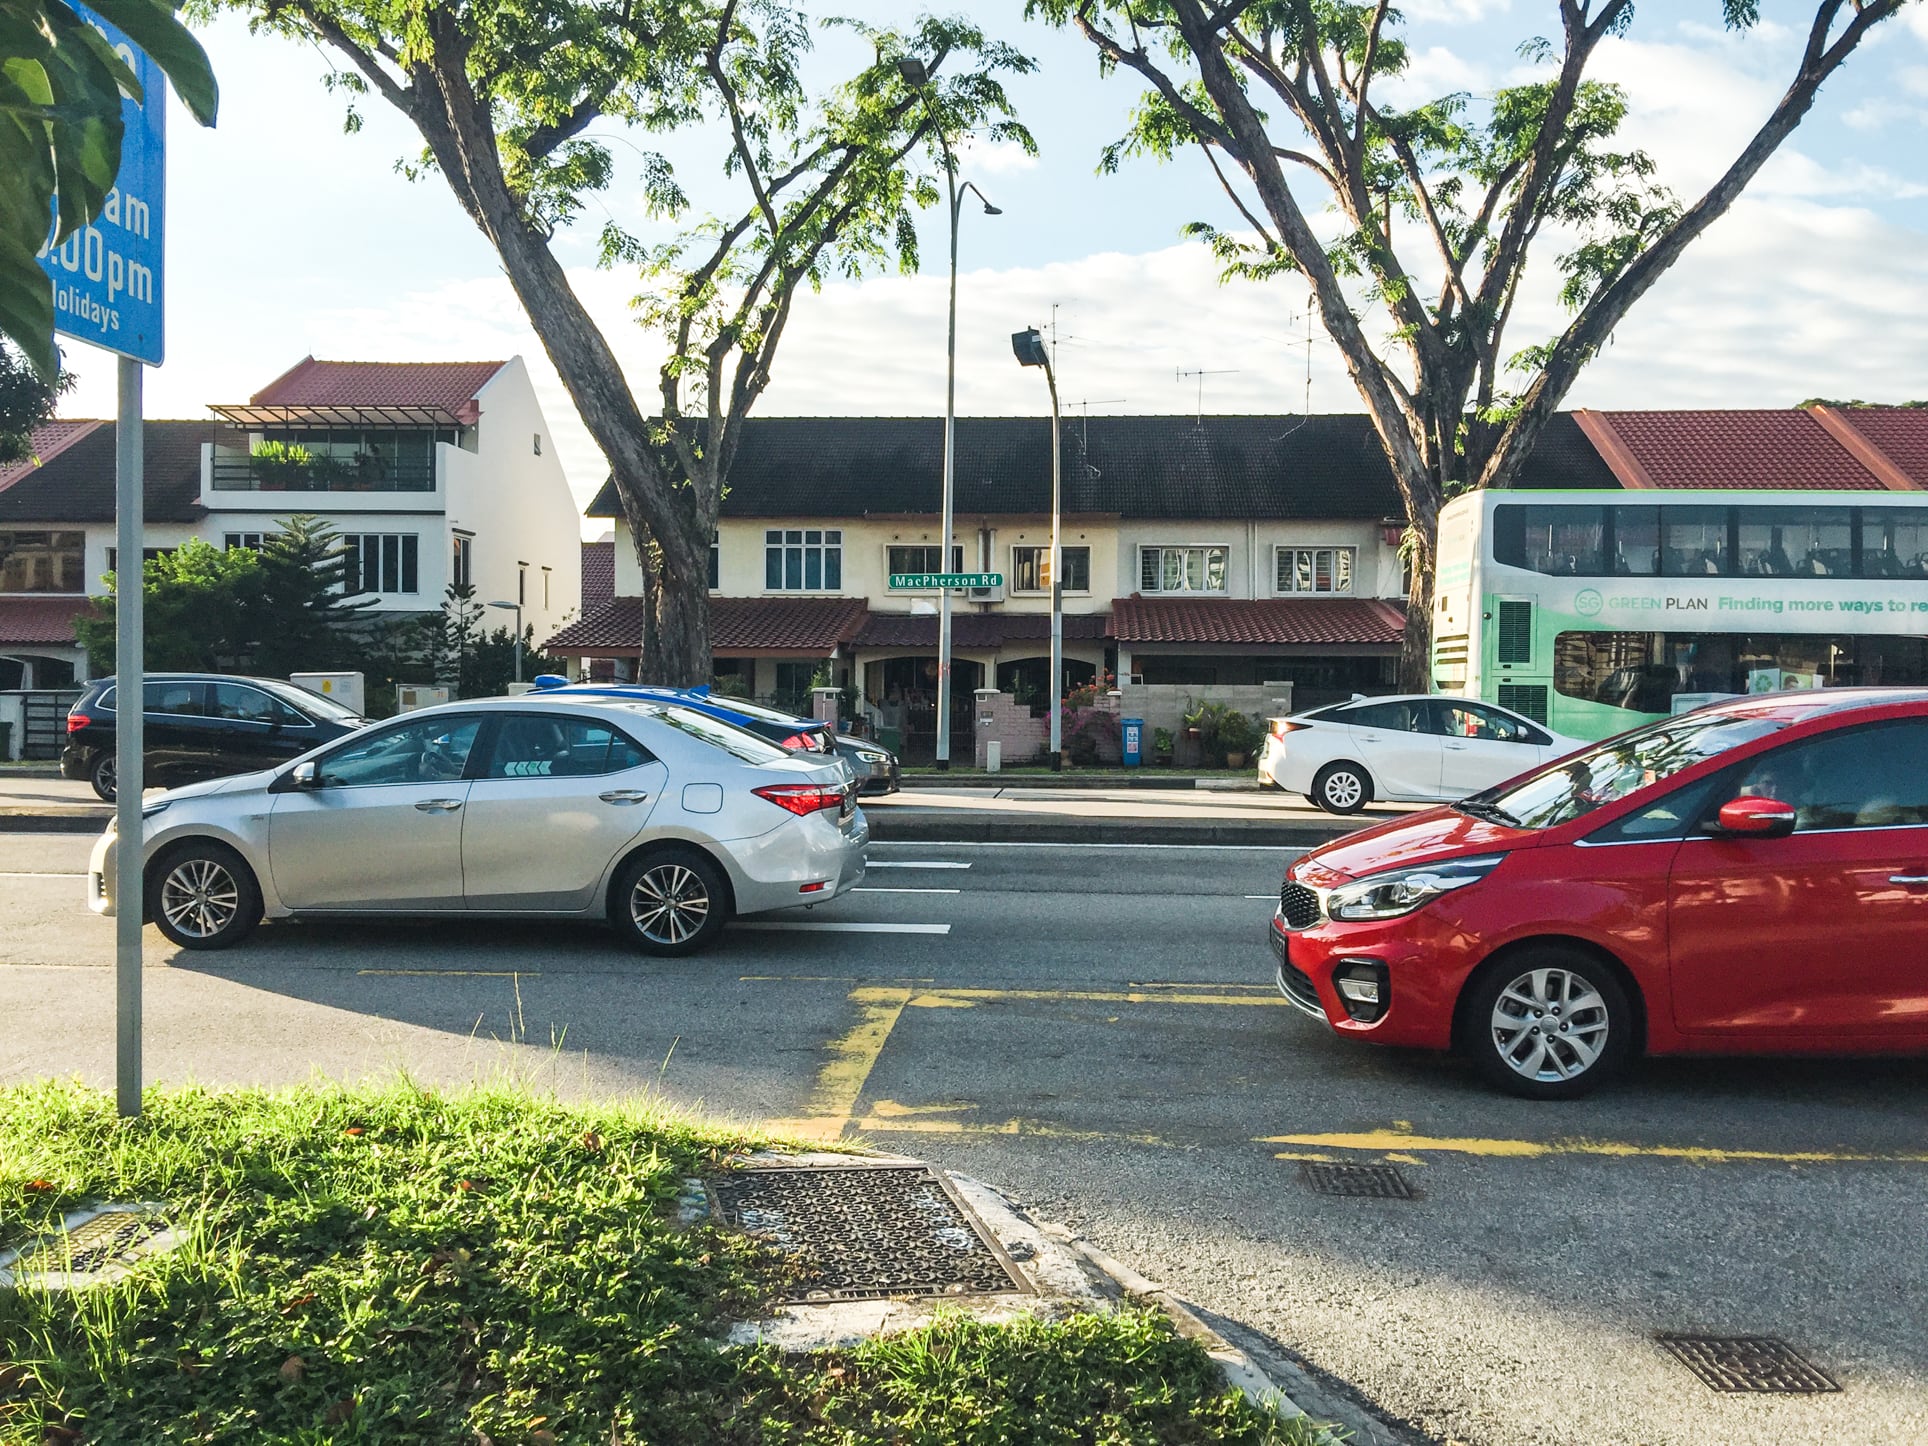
1029	348
919	75
515	608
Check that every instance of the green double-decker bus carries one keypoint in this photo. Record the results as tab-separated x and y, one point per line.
1595	611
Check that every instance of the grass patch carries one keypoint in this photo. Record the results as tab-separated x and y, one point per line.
401	1265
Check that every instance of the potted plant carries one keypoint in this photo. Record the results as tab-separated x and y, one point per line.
282	466
1237	736
1161	747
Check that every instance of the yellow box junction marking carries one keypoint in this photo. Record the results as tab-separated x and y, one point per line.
1406	1143
840	1083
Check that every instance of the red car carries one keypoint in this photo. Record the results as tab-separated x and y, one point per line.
1751	877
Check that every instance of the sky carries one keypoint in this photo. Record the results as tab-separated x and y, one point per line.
288	237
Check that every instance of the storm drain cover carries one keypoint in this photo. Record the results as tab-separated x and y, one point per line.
1365	1182
92	1246
1748	1363
866	1232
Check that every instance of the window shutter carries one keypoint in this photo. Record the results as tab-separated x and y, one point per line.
1515	629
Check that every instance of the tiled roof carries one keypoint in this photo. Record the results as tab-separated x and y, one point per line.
76	484
450	386
46	442
1788	449
40	620
598	574
737	624
1900	434
975	630
1265	622
1165	467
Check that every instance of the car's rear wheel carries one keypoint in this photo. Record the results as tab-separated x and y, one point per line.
669	902
203	896
1342	788
1549	1023
103	776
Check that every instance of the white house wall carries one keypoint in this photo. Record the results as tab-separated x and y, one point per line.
513	496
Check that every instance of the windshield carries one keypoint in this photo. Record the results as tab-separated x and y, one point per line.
311	703
738	742
1577	786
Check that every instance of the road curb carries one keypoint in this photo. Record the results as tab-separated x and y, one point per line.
32	822
1069	781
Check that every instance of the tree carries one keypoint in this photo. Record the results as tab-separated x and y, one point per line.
27	399
60	136
303	619
504	92
1280	95
196	611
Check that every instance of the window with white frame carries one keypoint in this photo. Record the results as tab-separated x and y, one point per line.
462	560
1314	569
1181	569
251	540
803	559
380	562
1028	568
921	558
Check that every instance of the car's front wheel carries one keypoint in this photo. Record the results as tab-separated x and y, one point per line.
1342	788
674	901
203	896
103	776
1549	1023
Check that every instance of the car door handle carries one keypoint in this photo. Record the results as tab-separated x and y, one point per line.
623	795
439	805
1456	747
1908	878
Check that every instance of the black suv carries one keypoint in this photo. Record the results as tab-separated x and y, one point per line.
201	725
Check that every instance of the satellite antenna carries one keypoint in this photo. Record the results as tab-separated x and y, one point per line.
1201	374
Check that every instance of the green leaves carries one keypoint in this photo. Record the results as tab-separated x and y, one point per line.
60	135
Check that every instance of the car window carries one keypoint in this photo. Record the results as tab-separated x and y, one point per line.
314	705
1468	720
738	742
182	700
1672	816
426	750
251	705
1405	716
1870	777
542	745
1576	786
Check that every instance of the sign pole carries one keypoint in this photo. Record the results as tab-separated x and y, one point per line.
129	683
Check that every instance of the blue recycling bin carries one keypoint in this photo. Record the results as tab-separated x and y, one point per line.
1131	733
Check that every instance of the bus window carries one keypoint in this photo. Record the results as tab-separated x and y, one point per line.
1694	542
1558	540
1894	542
1636	541
1796	542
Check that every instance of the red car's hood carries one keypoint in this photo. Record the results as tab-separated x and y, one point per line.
1422	838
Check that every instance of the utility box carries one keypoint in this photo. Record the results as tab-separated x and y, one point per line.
410	696
1131	739
342	688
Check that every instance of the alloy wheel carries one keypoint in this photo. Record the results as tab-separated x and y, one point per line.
1343	790
669	904
106	777
200	897
1549	1025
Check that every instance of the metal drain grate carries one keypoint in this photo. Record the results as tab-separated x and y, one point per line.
869	1231
92	1246
1363	1182
1748	1363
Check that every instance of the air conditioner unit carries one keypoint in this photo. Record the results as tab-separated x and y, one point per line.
987	594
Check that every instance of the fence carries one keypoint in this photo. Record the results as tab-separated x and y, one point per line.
1023	736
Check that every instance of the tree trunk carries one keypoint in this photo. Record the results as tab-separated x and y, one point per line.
1416	647
682	627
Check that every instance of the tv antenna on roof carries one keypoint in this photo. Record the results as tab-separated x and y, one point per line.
1201	374
1084	407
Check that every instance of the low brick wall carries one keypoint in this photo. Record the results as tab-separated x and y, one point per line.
1164	705
1000	717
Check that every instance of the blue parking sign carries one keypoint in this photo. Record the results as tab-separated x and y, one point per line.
107	275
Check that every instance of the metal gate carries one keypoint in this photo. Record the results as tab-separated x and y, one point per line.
45	730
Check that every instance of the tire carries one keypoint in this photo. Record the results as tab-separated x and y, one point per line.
202	895
101	775
1342	788
670	902
1511	1009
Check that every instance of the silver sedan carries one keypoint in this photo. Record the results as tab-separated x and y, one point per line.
659	818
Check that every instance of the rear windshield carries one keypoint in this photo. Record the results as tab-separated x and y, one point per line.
1615	769
738	742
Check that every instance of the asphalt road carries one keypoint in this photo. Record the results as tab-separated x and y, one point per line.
1094	1030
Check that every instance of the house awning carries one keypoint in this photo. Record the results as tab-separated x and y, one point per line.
804	627
41	621
1322	623
975	631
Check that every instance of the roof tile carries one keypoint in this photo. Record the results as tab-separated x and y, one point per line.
449	385
1768	450
40	620
1898	433
46	442
76	482
598	574
1264	622
737	624
975	630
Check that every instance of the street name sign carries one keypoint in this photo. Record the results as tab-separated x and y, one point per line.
947	580
107	275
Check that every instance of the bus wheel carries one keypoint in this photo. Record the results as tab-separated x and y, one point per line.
1342	788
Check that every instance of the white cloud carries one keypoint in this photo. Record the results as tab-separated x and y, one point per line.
1453	12
993	158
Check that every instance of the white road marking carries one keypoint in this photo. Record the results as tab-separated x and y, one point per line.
881	864
40	874
1261	896
863	889
816	928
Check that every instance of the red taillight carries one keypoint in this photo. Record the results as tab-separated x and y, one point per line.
77	721
802	799
1282	726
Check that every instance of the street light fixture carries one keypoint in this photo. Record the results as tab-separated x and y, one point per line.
1030	350
515	608
918	75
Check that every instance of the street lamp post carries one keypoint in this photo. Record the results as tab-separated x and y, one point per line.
1031	352
917	74
515	608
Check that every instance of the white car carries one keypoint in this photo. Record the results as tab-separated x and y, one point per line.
1409	749
660	819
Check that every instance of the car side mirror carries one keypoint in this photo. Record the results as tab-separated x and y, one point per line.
1750	817
306	775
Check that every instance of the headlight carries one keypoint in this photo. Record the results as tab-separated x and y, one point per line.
1387	896
875	759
